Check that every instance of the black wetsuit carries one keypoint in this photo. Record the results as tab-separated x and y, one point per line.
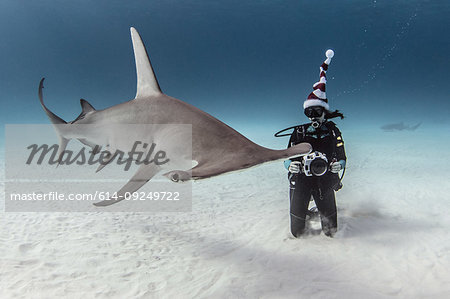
326	139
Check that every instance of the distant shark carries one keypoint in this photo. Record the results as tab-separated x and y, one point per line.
399	127
216	147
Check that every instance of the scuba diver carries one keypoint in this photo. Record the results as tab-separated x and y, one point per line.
316	175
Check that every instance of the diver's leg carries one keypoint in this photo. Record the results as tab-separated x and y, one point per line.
326	204
299	200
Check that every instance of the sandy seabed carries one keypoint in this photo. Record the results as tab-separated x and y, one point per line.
393	238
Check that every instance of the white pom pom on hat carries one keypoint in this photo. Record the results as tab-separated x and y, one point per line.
329	53
318	97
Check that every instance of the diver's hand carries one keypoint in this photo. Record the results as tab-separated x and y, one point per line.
294	167
335	167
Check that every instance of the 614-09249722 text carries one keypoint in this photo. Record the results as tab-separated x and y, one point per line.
98	195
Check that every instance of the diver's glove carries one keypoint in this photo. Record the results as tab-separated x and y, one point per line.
294	167
335	167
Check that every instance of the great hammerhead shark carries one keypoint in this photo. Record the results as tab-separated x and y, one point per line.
216	147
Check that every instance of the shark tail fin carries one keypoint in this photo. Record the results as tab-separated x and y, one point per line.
57	122
147	84
55	119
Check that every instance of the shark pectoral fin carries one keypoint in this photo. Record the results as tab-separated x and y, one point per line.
105	161
61	148
147	84
142	176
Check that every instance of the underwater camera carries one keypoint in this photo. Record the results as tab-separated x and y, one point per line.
315	164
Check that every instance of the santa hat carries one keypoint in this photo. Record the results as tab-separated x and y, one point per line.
318	97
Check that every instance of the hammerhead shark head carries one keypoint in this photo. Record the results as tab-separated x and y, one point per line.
216	147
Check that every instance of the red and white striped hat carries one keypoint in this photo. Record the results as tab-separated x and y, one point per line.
318	97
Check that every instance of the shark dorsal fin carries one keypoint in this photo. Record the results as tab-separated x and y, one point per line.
86	107
147	84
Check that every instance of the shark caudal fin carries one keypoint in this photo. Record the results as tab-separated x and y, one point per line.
147	84
56	121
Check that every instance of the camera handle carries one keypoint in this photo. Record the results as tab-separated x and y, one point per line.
332	161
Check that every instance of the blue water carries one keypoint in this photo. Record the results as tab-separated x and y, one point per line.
249	63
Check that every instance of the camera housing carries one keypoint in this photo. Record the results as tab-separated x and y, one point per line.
315	164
